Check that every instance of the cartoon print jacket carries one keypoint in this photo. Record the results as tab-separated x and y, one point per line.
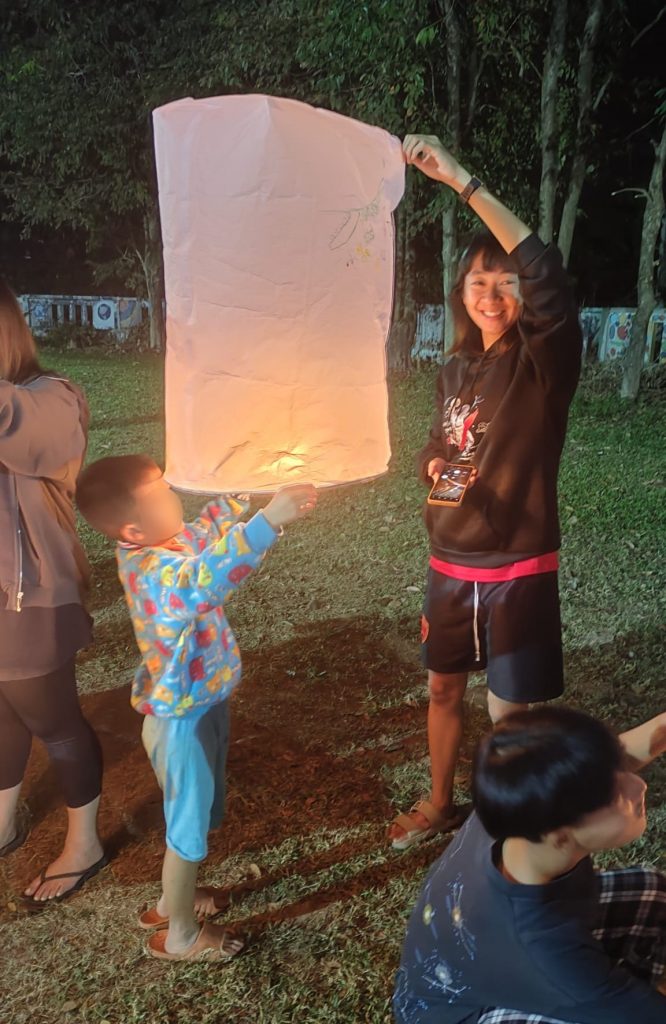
505	411
176	595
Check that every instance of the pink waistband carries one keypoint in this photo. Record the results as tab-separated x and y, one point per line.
513	571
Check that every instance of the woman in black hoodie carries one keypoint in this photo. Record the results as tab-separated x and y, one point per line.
503	398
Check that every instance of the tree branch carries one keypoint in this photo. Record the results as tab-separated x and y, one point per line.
641	193
602	90
648	27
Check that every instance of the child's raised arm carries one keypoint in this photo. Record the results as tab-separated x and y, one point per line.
174	587
219	515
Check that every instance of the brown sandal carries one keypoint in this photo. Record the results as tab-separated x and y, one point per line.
151	920
415	833
209	945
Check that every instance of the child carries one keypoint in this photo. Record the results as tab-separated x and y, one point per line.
513	914
176	579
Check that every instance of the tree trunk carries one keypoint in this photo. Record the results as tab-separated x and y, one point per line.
450	212
549	119
449	248
154	274
579	161
403	325
654	210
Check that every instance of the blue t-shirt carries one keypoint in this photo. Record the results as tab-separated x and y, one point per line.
476	940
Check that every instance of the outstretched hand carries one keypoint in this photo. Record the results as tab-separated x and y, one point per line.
428	154
644	743
290	503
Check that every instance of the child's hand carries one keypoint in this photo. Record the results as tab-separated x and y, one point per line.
290	503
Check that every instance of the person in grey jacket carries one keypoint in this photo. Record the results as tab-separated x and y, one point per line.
43	622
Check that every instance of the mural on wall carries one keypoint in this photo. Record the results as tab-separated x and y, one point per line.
606	333
656	338
429	333
591	324
103	313
129	313
617	331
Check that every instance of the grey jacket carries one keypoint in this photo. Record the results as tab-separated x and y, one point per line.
43	436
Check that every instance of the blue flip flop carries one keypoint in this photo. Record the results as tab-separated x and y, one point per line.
83	877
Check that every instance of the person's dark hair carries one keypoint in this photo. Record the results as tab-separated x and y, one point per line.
18	352
105	490
543	769
467	336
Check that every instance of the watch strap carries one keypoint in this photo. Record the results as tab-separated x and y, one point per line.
469	190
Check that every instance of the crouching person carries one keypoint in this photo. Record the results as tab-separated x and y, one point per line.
514	925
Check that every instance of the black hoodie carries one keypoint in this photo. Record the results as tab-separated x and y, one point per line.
505	411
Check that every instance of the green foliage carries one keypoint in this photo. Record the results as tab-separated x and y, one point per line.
78	83
70	336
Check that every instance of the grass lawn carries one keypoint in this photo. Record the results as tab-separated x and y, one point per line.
328	737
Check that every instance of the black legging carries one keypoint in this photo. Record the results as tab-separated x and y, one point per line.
48	707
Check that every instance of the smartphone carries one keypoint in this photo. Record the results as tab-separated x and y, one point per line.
449	489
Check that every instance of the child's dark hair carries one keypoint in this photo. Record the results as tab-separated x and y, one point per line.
467	336
544	769
105	490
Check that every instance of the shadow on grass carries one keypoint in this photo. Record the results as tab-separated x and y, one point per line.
311	752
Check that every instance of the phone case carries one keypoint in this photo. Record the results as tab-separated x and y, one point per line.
458	499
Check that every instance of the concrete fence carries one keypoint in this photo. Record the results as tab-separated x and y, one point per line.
113	315
606	331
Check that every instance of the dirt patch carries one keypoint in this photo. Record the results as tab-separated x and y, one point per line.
306	753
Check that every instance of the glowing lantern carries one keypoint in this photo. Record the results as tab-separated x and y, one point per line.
278	256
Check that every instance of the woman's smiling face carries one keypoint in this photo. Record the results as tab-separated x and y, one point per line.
492	300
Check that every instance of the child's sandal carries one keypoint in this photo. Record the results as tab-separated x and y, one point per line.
151	920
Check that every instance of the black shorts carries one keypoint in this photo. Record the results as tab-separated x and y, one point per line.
511	629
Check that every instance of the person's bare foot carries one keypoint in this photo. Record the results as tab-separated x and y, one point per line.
208	902
213	942
74	860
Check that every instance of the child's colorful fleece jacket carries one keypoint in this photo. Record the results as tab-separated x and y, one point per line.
176	595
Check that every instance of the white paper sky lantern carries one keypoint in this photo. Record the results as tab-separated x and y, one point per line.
278	256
